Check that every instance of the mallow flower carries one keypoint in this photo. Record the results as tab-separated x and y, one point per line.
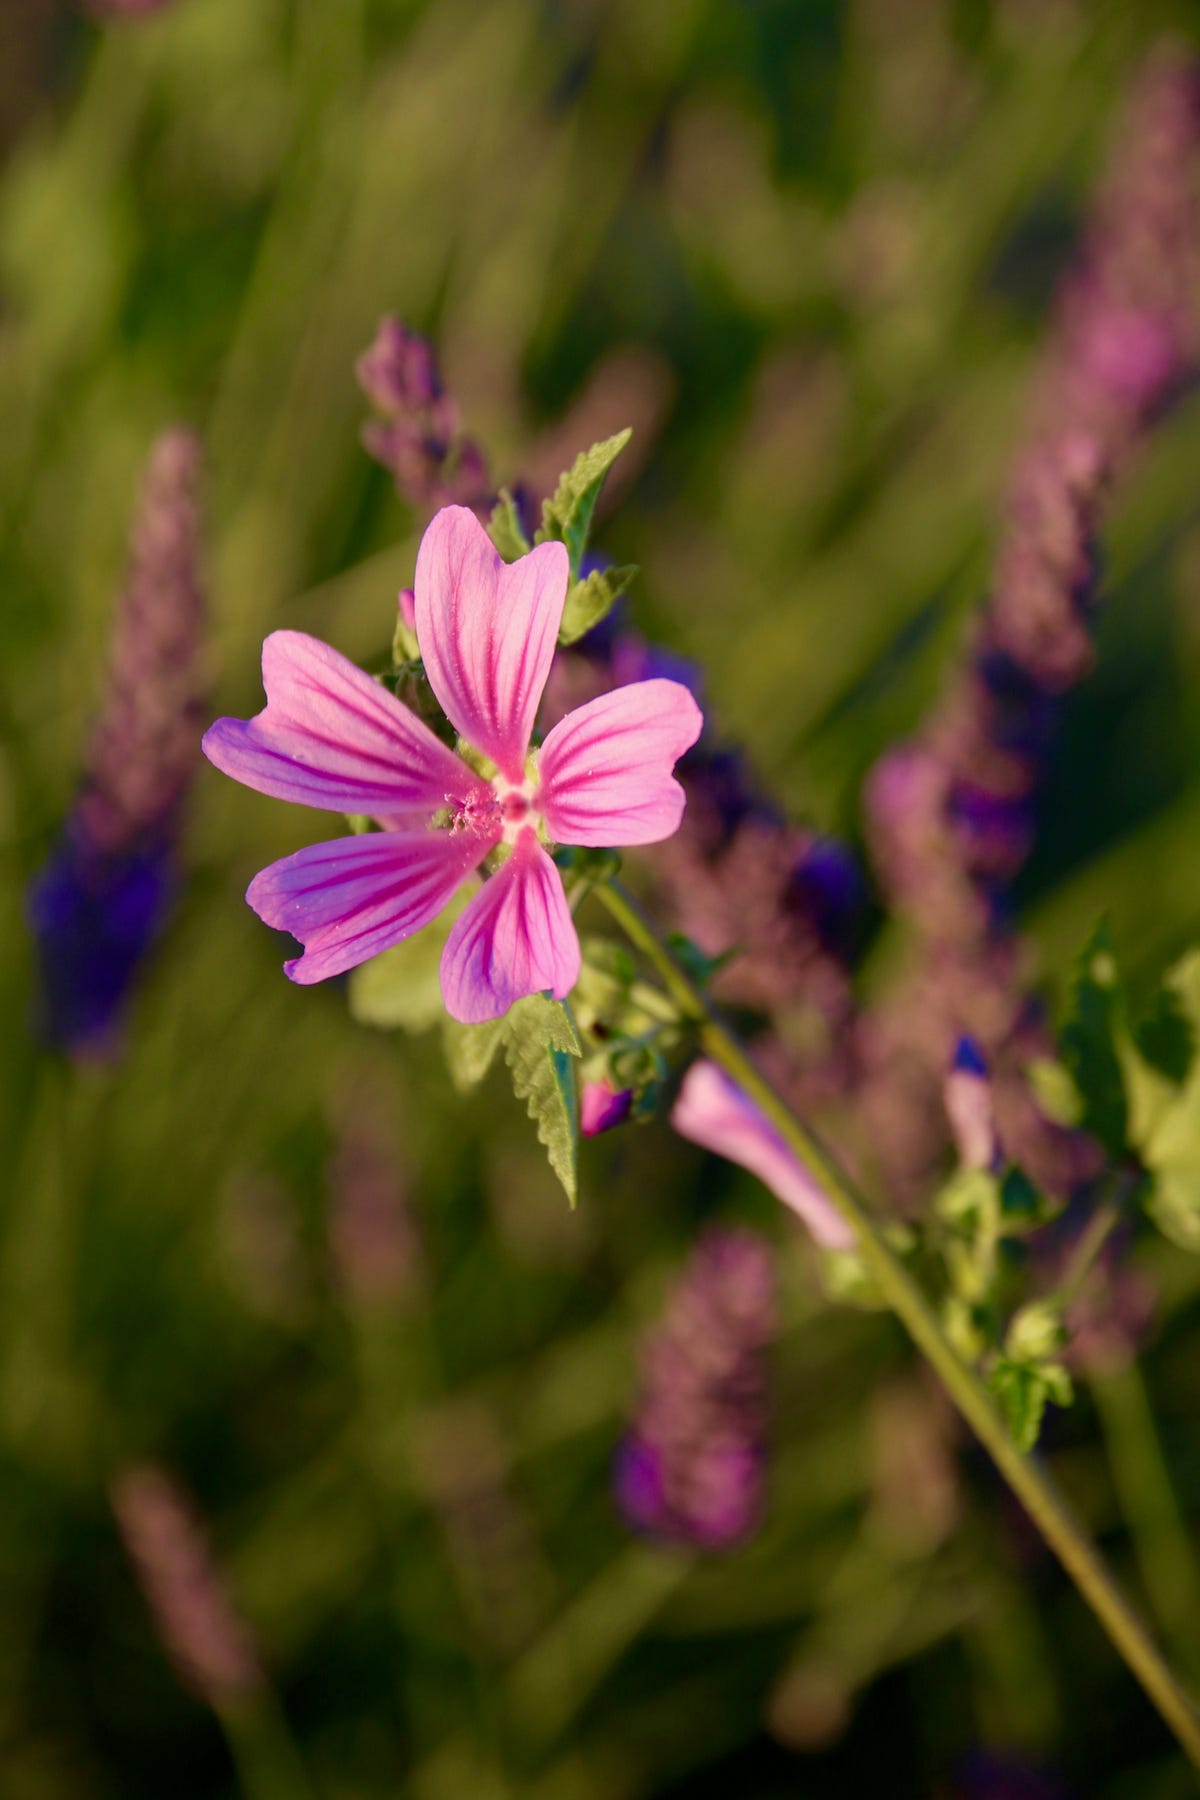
330	736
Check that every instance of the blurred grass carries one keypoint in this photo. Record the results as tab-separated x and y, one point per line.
836	226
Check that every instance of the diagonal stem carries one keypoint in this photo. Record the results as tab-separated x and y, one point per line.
1025	1475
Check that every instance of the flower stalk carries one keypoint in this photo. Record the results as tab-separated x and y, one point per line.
1025	1475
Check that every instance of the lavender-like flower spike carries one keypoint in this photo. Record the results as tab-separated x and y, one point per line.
950	817
209	1644
100	901
692	1468
417	435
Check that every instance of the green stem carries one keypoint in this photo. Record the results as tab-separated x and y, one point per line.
1092	1240
1025	1475
263	1751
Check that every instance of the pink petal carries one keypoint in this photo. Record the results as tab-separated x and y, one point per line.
605	769
329	736
487	631
351	898
713	1112
516	937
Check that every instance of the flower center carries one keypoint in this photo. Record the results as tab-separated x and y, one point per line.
516	801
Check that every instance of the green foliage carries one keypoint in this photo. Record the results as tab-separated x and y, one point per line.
1022	1390
592	599
470	1050
1141	1085
505	528
1094	1008
541	1047
399	990
567	514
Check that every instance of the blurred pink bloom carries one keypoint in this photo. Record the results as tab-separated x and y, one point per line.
202	1632
713	1112
967	1097
332	737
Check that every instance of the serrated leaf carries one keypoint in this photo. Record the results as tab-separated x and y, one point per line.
400	989
470	1050
505	528
541	1048
592	599
567	514
1022	1390
1095	1014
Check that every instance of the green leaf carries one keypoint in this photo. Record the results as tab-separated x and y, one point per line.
470	1050
1173	1202
1022	1391
1054	1091
567	514
592	599
1096	1012
541	1047
1168	1112
1167	1036
505	528
400	989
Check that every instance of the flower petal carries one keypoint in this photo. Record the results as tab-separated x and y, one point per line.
329	736
487	631
516	937
713	1112
605	769
349	899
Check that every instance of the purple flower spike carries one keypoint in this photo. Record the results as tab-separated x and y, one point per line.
713	1112
332	737
602	1106
692	1468
100	902
417	435
205	1638
950	818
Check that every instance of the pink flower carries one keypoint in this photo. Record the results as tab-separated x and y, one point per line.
713	1112
332	737
602	1106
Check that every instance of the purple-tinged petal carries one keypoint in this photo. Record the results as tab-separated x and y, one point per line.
487	631
602	1106
605	769
331	737
516	938
349	899
713	1112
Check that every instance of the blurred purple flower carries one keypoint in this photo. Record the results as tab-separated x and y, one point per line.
417	435
211	1648
950	818
692	1468
101	899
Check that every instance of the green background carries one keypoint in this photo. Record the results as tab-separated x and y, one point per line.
808	249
